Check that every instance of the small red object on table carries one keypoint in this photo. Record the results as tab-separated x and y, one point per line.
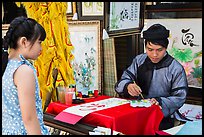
95	93
123	118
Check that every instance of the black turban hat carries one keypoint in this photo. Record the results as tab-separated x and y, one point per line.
157	34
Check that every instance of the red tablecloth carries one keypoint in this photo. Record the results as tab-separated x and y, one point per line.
123	118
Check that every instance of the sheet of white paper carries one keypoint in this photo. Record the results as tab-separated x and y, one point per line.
86	108
192	112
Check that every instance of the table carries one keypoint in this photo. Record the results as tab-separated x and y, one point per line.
123	118
77	129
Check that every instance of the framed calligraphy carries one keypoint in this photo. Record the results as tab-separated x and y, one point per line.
124	18
90	10
86	39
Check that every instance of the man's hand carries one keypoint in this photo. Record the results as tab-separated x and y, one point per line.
134	89
153	101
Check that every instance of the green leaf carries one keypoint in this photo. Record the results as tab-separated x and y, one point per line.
183	55
198	54
197	73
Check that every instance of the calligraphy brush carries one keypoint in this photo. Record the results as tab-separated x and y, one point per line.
140	89
128	73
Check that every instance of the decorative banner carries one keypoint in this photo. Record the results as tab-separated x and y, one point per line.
73	114
185	45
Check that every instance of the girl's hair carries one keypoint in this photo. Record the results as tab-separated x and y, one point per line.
20	27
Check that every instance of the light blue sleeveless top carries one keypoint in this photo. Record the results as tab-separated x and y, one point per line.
12	122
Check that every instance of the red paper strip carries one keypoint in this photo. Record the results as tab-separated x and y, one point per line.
68	117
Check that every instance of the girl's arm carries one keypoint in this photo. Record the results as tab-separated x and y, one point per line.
25	82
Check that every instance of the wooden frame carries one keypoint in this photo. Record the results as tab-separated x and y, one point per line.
124	18
173	10
86	40
174	6
90	10
71	12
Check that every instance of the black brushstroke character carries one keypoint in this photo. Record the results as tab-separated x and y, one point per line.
187	38
124	14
